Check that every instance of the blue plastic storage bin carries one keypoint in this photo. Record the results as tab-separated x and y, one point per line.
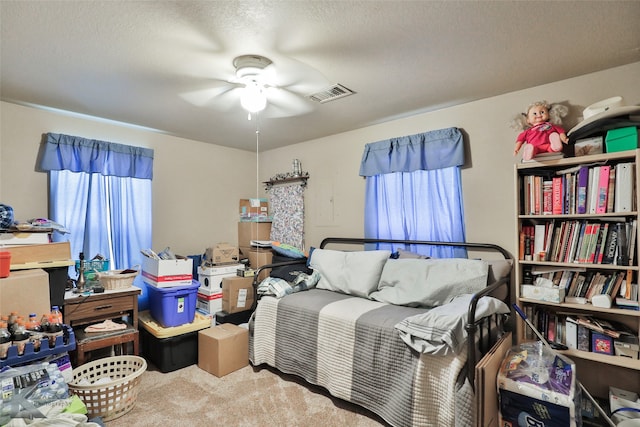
173	306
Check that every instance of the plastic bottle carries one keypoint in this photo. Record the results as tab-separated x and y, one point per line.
5	339
57	314
20	337
44	322
12	320
35	329
55	327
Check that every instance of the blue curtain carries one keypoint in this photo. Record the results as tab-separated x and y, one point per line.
414	191
77	154
437	149
101	192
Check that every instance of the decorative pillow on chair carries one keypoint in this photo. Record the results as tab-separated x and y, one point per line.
352	273
429	282
287	250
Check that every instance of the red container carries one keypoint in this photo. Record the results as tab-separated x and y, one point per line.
5	264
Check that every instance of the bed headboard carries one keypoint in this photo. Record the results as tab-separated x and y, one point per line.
488	247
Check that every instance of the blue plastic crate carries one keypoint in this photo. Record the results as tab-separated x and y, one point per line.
173	306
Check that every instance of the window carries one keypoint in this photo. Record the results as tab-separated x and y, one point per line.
101	192
413	190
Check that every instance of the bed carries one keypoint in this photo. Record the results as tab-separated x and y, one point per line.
412	363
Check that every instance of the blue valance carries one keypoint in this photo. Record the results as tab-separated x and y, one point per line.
76	154
436	149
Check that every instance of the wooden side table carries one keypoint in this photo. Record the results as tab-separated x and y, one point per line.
82	310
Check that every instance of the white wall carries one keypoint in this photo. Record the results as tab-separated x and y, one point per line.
334	198
196	186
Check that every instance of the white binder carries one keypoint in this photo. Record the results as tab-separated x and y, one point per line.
623	194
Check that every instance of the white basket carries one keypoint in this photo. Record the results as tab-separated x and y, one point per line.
109	386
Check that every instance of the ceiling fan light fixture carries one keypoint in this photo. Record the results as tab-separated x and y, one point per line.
253	98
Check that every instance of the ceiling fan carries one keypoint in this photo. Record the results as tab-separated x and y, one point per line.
281	88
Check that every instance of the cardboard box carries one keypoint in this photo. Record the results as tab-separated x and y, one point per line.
17	238
258	258
223	349
237	294
625	349
25	291
251	208
541	293
167	273
588	146
622	139
248	231
210	278
619	398
209	303
222	253
25	254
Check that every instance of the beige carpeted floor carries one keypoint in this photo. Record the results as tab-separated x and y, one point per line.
248	397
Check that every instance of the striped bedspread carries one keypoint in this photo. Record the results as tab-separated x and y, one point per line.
349	346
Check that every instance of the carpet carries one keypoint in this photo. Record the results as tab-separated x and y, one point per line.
247	397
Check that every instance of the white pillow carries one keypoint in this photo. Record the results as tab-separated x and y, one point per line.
352	273
429	282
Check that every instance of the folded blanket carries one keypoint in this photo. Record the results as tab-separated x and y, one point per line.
106	326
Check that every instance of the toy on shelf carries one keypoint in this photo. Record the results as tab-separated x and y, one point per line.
541	129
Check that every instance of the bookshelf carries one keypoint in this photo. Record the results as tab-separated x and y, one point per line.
577	221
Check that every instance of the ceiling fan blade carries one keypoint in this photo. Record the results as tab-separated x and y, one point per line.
295	76
206	97
283	103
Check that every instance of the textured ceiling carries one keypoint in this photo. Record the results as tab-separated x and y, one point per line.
164	64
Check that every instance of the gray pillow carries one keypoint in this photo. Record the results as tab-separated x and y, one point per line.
429	282
498	269
353	273
402	254
441	329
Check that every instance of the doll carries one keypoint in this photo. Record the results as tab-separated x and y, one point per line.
541	129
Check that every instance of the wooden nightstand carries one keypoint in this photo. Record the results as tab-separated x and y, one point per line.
82	310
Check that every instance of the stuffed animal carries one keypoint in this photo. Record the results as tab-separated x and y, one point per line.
541	129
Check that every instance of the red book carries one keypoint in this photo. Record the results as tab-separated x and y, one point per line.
557	195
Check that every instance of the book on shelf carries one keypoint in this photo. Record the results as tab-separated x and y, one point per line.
603	187
584	189
557	199
611	190
583	182
541	157
571	332
547	197
623	196
592	195
600	325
